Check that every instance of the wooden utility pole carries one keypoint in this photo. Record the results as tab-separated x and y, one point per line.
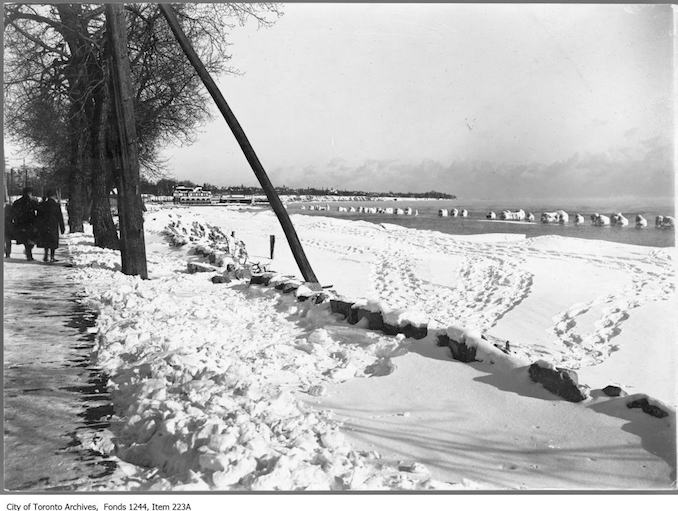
5	184
229	117
132	245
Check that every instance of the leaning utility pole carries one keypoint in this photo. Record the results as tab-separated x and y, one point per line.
132	245
273	199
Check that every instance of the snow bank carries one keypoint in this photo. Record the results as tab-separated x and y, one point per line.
204	379
204	239
194	366
415	317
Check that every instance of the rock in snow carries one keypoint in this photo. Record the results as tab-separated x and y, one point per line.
199	268
559	381
221	279
613	391
651	408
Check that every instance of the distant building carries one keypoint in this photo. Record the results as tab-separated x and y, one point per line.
148	197
189	195
235	199
243	199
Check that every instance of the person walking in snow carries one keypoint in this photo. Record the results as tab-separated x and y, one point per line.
24	211
50	223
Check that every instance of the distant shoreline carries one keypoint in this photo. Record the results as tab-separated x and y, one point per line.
356	198
477	223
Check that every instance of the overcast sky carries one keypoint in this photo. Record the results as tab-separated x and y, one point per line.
477	100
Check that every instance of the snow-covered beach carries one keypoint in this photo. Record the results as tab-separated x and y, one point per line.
485	299
239	387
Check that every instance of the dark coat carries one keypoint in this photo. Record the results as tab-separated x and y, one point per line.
24	211
50	223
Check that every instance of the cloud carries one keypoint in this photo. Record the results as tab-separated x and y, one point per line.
645	171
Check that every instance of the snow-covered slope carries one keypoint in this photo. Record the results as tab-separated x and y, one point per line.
227	386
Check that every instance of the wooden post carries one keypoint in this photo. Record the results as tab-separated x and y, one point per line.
229	117
272	243
132	245
5	186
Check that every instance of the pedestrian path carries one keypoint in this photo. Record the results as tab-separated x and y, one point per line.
54	400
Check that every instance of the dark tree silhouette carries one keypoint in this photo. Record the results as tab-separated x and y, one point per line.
59	103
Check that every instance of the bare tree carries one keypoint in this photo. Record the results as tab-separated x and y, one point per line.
56	70
53	57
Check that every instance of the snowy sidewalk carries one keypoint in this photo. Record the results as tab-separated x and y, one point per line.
53	398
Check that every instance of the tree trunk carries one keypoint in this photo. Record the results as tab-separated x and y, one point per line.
132	246
103	227
78	157
76	186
